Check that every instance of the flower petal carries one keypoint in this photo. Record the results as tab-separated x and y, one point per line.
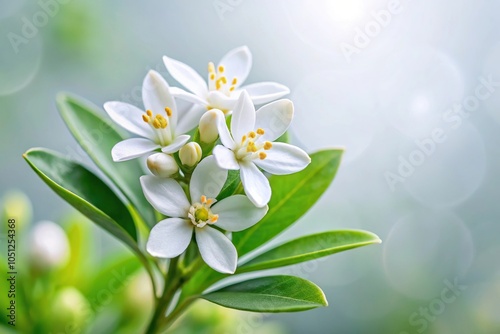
237	64
218	100
156	96
243	120
176	144
224	135
129	117
237	213
216	250
132	148
181	94
165	195
190	118
225	158
207	179
186	76
169	238
256	184
264	92
274	118
284	159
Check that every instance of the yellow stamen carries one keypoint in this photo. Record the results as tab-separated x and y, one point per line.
221	69
212	76
214	218
145	118
252	134
149	112
168	111
211	67
231	89
156	123
251	147
268	145
243	139
209	201
260	131
234	82
203	199
224	80
262	155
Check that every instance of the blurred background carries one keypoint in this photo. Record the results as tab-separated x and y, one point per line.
411	89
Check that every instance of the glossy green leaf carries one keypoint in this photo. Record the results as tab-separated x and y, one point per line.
97	136
292	196
85	192
270	294
232	182
310	247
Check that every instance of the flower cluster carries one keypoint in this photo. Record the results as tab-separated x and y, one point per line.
191	150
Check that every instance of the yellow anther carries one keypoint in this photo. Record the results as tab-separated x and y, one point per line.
203	199
234	82
214	218
224	80
209	201
149	112
262	155
251	147
217	84
156	123
163	123
252	134
145	118
168	111
260	131
221	69
212	76
268	145
231	89
211	67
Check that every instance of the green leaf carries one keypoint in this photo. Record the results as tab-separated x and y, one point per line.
270	294
85	192
232	182
310	247
292	196
97	136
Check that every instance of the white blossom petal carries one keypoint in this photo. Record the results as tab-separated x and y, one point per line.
243	120
225	158
176	144
237	213
207	179
218	100
165	195
156	96
256	184
186	76
237	64
264	92
284	159
216	250
169	238
274	118
181	94
129	117
190	118
132	148
224	135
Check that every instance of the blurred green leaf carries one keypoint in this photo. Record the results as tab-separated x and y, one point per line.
85	192
292	196
97	137
232	182
309	248
270	294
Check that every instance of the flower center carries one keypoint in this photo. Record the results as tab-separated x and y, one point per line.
160	125
251	147
217	80
200	213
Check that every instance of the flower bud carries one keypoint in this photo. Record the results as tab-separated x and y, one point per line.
162	164
70	311
190	154
208	127
49	246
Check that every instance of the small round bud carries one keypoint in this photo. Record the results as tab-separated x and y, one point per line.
71	311
190	154
162	164
208	127
49	246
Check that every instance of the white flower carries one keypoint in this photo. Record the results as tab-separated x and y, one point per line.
224	82
251	146
161	126
49	245
170	237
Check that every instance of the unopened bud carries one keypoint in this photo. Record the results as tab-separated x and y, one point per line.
49	246
190	154
162	164
208	126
